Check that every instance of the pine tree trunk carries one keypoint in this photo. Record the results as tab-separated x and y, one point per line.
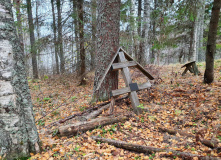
139	17
19	22
81	36
32	40
133	29
93	43
190	55
76	32
55	38
152	56
211	42
139	47
60	40
108	26
18	133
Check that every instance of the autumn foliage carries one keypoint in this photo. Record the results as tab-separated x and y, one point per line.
183	115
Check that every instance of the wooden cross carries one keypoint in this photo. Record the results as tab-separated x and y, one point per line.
124	62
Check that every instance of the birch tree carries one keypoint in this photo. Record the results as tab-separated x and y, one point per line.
18	133
145	50
201	31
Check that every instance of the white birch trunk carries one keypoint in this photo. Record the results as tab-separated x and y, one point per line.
201	54
145	34
18	133
198	31
195	38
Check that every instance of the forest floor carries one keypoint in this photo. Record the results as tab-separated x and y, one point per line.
175	102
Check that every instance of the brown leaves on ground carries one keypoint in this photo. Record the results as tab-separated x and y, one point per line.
187	109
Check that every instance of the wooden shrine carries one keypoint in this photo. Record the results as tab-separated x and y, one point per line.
192	67
124	62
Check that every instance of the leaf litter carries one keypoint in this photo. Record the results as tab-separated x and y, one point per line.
183	115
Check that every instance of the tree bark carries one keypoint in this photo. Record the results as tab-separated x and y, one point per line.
139	17
108	26
211	42
73	129
201	31
133	29
60	40
145	52
18	133
195	37
76	33
93	43
81	36
139	46
149	149
190	55
152	56
55	38
32	40
19	23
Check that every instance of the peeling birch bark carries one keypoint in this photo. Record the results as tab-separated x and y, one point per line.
18	133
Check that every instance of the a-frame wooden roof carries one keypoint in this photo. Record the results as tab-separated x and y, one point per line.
130	59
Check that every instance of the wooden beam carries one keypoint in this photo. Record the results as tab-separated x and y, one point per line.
187	64
125	90
127	79
116	66
108	68
138	66
118	92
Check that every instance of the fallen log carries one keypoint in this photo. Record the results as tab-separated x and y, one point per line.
89	110
174	132
95	113
209	143
149	149
79	127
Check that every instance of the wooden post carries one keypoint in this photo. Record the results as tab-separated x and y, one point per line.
112	105
127	79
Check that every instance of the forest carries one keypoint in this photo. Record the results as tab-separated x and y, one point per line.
110	79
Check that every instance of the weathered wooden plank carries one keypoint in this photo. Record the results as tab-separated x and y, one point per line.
125	90
135	102
112	105
125	71
118	92
138	66
116	66
127	79
108	68
187	64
